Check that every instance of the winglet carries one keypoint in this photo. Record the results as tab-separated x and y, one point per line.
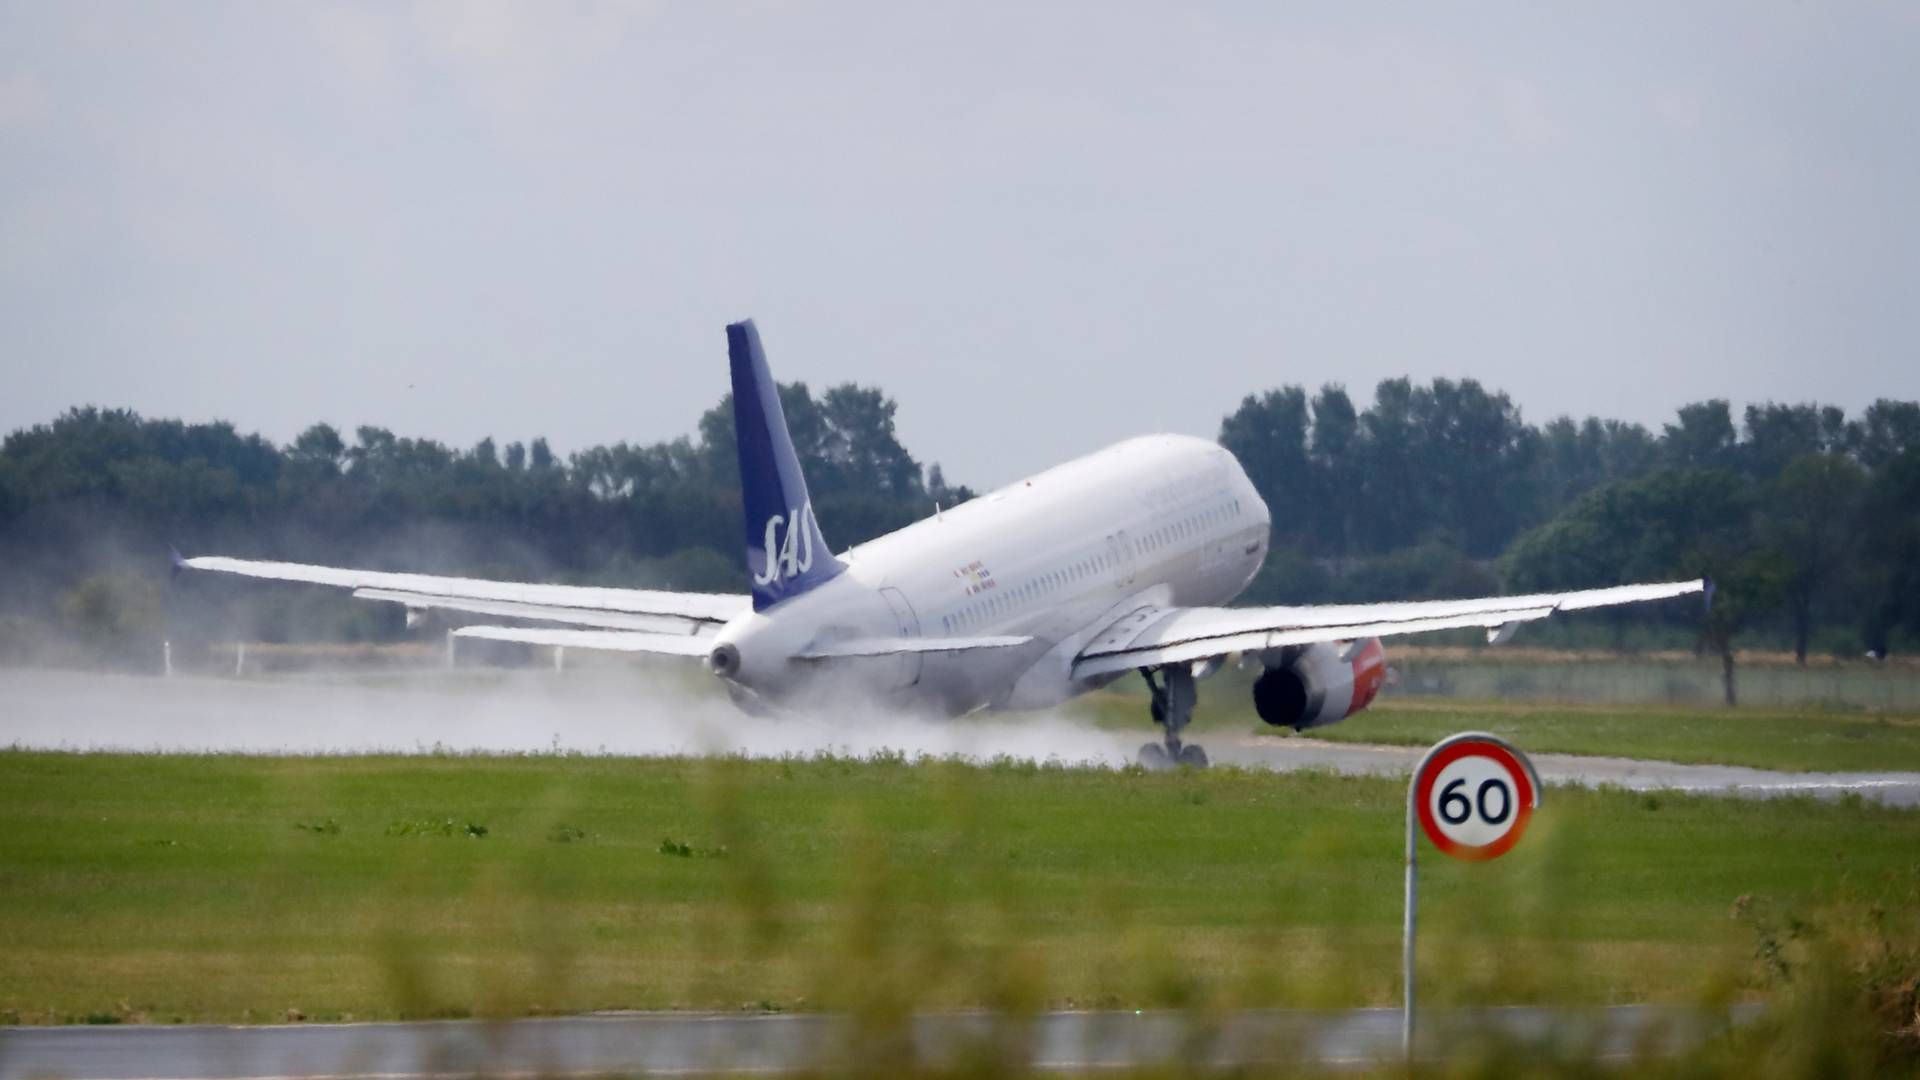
179	562
786	553
1706	591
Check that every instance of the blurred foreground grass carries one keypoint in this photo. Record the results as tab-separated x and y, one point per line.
179	888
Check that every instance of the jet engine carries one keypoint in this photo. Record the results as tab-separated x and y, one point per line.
1320	684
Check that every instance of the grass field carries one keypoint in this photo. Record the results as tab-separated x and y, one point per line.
1809	741
1799	740
1671	679
177	888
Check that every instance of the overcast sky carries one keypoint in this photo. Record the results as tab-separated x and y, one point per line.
1041	227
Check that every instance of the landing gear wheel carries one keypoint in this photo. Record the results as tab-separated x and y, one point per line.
1170	700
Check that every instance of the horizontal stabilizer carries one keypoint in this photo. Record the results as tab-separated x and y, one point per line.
608	640
595	617
858	647
505	598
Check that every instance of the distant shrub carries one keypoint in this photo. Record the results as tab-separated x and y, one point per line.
442	827
113	611
26	640
683	850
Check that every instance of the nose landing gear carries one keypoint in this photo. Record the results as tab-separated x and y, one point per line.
1173	698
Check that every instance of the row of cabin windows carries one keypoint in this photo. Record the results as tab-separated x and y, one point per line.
1032	589
1046	584
1190	526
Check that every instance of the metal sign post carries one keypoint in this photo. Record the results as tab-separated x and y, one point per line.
1472	794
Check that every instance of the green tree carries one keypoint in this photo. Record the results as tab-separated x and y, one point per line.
11	499
1336	464
1890	527
114	613
1811	520
943	493
319	446
1268	434
846	442
1396	502
1702	437
1575	458
1675	523
860	444
1478	459
1885	431
1777	434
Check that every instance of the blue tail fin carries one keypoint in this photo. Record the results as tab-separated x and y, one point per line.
785	552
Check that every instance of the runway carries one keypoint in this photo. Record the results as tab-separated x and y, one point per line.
618	713
1892	788
696	1043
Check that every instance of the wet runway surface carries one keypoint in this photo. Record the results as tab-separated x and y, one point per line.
622	712
693	1043
1893	788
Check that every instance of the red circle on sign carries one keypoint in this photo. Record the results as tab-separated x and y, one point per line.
1523	798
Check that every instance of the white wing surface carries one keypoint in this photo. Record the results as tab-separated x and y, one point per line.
648	610
609	640
863	647
1150	637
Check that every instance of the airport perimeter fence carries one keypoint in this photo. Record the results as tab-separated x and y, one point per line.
1433	673
1851	685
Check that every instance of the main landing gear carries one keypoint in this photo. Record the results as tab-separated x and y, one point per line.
1173	699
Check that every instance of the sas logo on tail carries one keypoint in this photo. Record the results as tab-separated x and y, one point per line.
790	554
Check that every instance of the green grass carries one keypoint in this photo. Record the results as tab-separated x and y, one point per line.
1682	681
1797	740
178	888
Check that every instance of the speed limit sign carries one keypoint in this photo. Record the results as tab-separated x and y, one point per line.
1472	795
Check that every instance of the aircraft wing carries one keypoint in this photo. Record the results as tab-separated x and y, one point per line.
656	612
872	647
609	640
1152	636
697	645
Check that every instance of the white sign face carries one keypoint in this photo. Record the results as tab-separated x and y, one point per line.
1472	801
1475	796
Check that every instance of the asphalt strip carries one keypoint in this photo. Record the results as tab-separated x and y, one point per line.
1892	788
587	712
665	1044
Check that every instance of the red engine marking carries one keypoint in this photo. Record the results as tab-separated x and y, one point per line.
1369	674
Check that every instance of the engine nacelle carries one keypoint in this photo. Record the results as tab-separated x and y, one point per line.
1321	684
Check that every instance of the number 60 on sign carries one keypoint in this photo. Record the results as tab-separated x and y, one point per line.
1474	798
1472	795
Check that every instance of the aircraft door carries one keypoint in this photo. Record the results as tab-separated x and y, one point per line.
1120	555
908	672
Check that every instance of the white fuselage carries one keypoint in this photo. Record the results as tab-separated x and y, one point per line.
1160	521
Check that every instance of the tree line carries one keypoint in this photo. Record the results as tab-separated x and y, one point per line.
1808	519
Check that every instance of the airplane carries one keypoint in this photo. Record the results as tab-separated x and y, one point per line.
1118	562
